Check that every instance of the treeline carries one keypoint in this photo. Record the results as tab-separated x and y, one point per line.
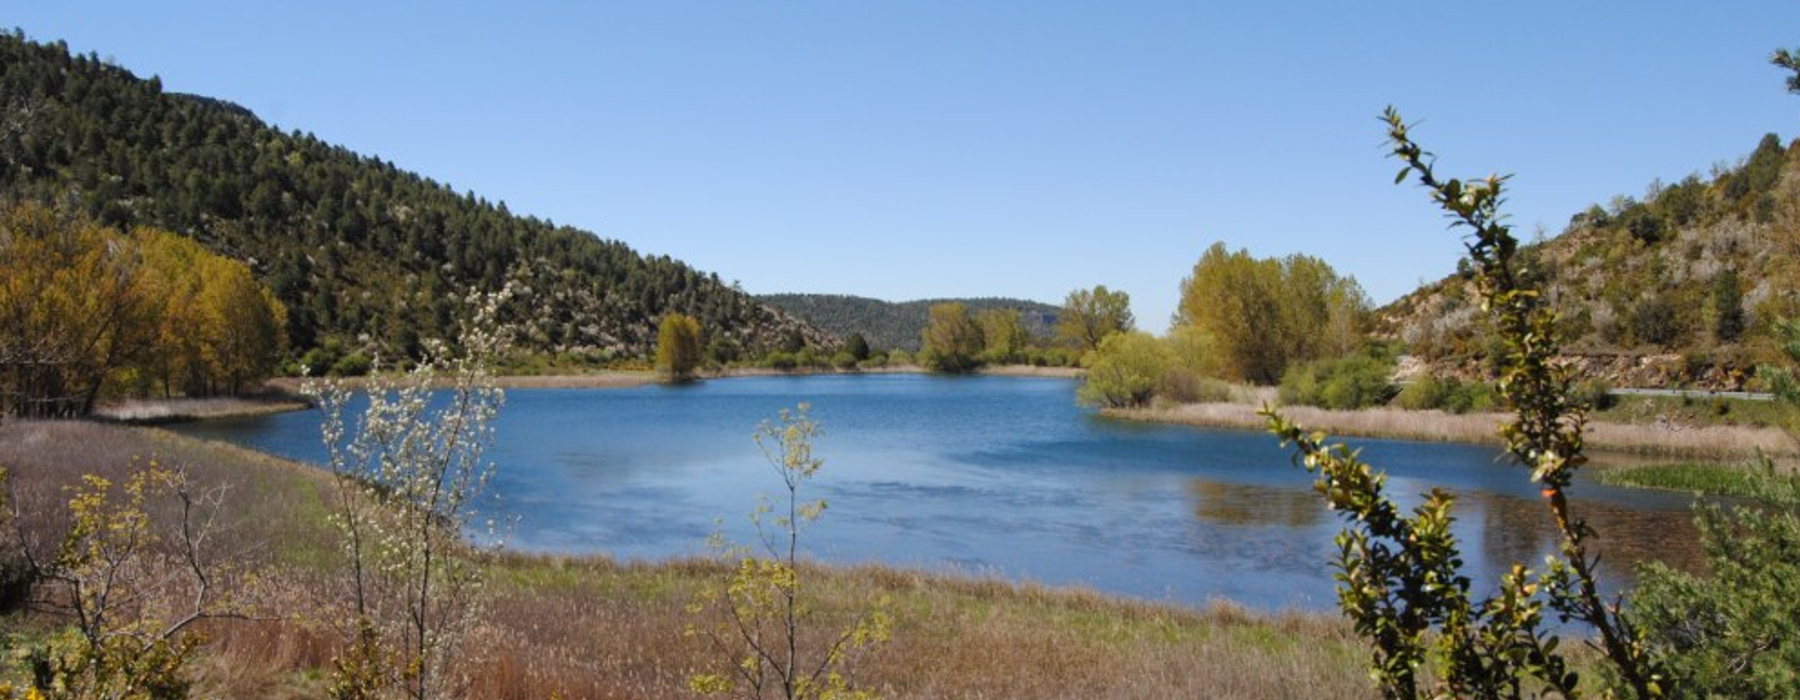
1702	268
362	253
86	309
1241	319
897	325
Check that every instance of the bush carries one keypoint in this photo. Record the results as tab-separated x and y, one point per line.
1354	381
1449	395
1184	385
354	364
1655	321
1729	634
1424	394
1596	394
784	361
1126	370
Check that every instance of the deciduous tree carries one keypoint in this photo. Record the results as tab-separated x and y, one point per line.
952	340
678	348
1003	335
1264	314
1089	315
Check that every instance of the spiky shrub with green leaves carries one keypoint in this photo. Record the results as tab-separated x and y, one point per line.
1401	579
1731	632
766	626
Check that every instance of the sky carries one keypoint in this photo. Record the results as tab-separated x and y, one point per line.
909	149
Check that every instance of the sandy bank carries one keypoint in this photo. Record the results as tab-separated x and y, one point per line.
161	411
998	371
1706	442
595	380
1033	371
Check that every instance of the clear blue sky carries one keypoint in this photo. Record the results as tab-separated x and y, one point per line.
924	148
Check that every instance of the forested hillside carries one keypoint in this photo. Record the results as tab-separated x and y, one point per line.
896	325
1680	288
359	251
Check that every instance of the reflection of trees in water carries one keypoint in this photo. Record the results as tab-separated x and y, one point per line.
1496	530
1251	504
1519	530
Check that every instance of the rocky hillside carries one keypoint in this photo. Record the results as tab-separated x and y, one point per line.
1678	289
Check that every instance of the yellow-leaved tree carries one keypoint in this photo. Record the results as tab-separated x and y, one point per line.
678	348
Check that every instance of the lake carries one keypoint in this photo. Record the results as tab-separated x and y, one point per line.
1000	476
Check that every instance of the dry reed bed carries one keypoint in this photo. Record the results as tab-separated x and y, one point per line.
587	627
591	628
1722	442
178	410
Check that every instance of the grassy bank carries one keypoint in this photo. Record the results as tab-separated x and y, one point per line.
1673	439
1736	481
589	627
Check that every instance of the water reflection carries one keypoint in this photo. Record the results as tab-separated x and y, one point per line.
1226	503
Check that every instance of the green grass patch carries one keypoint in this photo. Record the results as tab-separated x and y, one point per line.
1710	479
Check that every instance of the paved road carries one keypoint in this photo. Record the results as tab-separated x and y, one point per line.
1696	394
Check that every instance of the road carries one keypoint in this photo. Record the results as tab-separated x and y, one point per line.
1696	394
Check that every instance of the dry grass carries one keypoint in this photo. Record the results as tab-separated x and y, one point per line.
160	411
591	380
593	628
1713	441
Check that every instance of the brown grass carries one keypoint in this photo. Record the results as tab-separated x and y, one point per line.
593	380
161	411
588	627
1713	441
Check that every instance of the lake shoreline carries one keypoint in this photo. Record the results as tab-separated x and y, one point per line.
1715	442
283	394
634	612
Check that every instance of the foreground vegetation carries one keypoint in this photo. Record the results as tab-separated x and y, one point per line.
589	627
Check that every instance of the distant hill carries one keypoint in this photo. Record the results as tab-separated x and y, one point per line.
359	250
1679	289
896	325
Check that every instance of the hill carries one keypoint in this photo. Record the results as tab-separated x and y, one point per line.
1679	289
360	251
896	325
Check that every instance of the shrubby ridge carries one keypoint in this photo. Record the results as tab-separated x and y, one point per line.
1681	286
359	251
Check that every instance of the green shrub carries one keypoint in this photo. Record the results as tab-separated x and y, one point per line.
784	361
354	364
1354	381
1184	385
1126	370
1424	394
1471	397
1596	394
1729	634
1449	395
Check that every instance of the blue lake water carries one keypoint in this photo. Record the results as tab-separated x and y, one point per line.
986	475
